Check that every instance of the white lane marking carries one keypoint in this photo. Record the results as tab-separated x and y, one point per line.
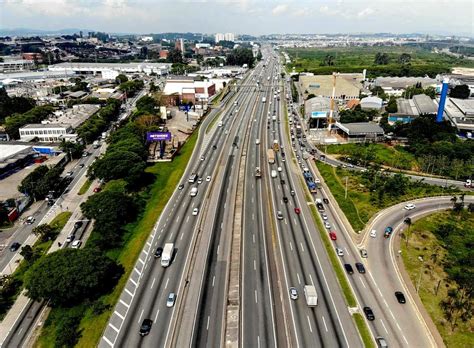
254	265
286	223
192	205
253	216
309	323
311	279
182	234
145	252
404	338
142	262
213	280
291	246
177	218
258	341
398	326
298	276
129	292
386	304
381	321
184	203
171	237
140	318
218	246
113	327
294	220
362	282
148	243
108	341
156	316
253	237
207	326
347	251
256	301
252	200
161	231
187	219
152	283
159	236
136	270
302	248
324	322
124	303
167	281
134	282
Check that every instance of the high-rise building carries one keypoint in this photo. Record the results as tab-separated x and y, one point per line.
219	37
229	37
179	45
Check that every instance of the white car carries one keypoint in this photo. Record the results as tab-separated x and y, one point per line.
279	169
373	233
325	217
410	206
76	244
339	252
327	225
29	220
70	238
171	299
195	211
199	181
208	178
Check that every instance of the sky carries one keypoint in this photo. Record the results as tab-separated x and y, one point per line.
254	17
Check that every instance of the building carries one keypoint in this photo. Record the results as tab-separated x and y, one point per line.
401	83
111	70
13	157
229	37
179	45
425	105
48	133
15	66
409	109
347	87
182	89
359	131
317	111
219	37
371	103
164	54
461	114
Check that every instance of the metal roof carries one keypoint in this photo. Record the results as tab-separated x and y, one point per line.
360	128
424	104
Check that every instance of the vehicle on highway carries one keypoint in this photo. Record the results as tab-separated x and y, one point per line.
369	314
297	210
349	268
388	231
69	173
271	156
285	199
78	224
373	233
219	124
202	158
208	178
400	297
327	225
195	211
85	154
279	215
360	267
158	252
324	216
15	246
333	236
311	295
326	201
76	244
70	237
274	173
180	187
199	181
293	293
257	141
81	165
192	178
145	328
292	192
171	299
194	192
363	253
381	343
410	206
279	169
167	254
282	182
339	251
29	220
214	147
468	183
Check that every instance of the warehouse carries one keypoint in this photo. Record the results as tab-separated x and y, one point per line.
347	87
360	131
371	103
14	157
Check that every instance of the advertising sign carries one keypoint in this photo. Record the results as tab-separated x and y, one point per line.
158	136
319	114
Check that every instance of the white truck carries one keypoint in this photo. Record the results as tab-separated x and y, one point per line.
311	295
167	254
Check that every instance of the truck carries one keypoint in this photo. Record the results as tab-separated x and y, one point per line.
311	295
298	131
305	155
276	146
258	172
264	99
271	156
167	254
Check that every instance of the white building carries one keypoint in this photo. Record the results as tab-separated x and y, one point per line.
219	37
371	103
50	133
229	37
111	70
16	65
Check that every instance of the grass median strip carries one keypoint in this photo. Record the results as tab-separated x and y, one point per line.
363	330
85	187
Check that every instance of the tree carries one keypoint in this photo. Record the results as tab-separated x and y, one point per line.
175	56
259	55
381	58
45	232
404	58
75	150
240	56
328	60
27	253
121	78
118	165
311	95
147	104
70	276
460	91
392	105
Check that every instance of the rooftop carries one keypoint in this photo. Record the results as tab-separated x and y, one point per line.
404	82
47	125
424	104
360	128
10	151
321	85
466	106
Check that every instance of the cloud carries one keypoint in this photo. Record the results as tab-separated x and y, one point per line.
365	12
279	9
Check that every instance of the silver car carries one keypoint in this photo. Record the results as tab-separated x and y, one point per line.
171	299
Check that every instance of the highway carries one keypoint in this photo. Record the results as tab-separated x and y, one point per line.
149	284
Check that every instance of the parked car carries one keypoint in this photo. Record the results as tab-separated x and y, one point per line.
145	328
360	267
76	244
400	297
97	189
70	238
369	314
77	225
14	247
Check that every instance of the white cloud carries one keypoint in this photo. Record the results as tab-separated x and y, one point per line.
279	9
365	12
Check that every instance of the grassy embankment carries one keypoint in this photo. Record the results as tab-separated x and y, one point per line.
87	184
431	275
360	205
168	175
39	248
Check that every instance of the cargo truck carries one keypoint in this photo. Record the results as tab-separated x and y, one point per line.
276	146
311	295
271	156
258	172
167	254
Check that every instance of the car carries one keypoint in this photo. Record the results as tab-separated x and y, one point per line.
50	201
327	225
15	246
388	231
29	220
339	251
381	343
97	189
282	182
70	173
85	154
333	236
199	181
195	211
410	206
326	201
360	267
293	293
279	169
202	158
373	233
400	297
158	252
208	178
283	160
299	162
363	253
292	192
76	244
285	199
349	268
171	299
70	238
297	210
324	216
180	187
369	314
77	224
279	215
81	165
145	328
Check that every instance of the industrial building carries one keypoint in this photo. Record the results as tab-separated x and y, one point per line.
371	103
14	157
348	86
359	131
10	66
401	83
409	109
461	114
317	111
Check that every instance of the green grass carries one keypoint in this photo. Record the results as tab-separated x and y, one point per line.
363	330
61	220
85	187
360	205
168	175
213	122
423	243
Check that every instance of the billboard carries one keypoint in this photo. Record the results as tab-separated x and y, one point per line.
319	114
158	136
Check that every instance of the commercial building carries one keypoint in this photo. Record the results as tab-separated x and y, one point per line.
182	89
221	37
13	157
347	86
409	109
111	70
10	66
48	133
371	103
317	111
360	131
461	114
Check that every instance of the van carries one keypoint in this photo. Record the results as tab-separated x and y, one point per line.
192	178
274	173
194	191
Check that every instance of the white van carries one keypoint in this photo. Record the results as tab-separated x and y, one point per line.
274	173
194	191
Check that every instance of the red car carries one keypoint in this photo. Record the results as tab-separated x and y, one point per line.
97	189
297	210
332	235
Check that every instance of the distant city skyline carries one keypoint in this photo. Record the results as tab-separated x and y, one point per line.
253	17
